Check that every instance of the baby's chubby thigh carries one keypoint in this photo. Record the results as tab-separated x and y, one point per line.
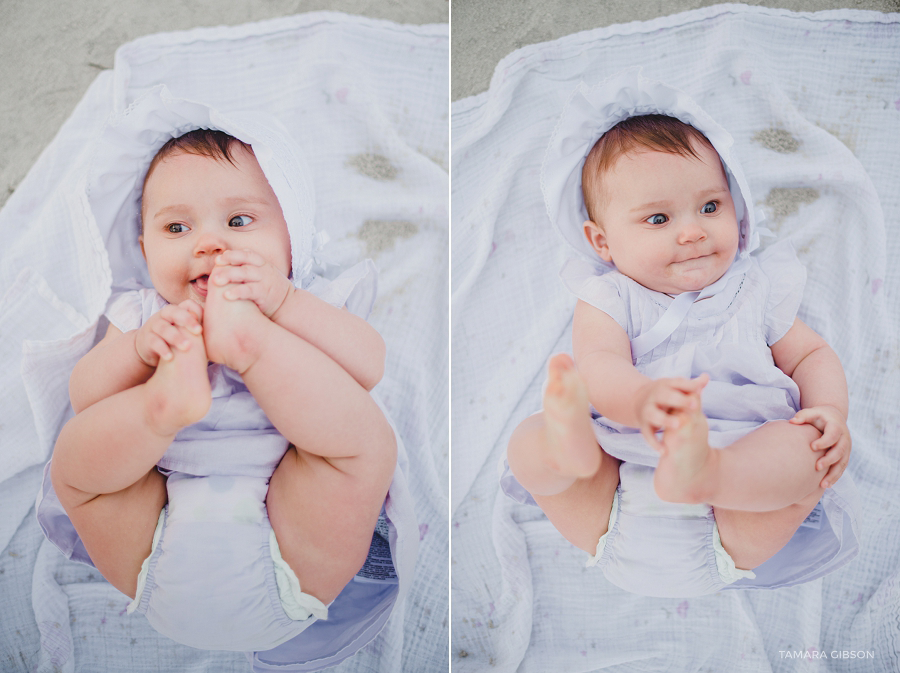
660	549
213	584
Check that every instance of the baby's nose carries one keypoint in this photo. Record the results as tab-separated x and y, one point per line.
691	232
209	244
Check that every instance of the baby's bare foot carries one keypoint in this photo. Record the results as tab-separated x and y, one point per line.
178	393
231	329
572	448
685	466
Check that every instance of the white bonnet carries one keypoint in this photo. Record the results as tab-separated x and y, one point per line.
129	141
588	114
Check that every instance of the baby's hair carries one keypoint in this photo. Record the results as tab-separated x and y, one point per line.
202	142
659	133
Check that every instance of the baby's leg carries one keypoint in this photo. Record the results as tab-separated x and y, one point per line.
555	456
751	538
761	487
103	467
325	496
769	469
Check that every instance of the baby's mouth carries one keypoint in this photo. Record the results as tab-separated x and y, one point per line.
200	284
693	259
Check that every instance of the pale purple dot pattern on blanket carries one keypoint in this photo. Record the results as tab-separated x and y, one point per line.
493	247
682	609
423	531
745	76
876	285
897	103
341	95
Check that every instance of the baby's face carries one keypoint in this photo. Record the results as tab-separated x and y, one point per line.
195	208
667	221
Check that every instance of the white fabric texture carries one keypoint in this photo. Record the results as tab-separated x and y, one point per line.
372	125
813	104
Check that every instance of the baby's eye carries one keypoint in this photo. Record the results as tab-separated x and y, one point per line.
710	207
239	221
176	228
659	218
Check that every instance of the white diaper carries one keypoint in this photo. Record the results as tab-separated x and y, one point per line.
215	578
657	548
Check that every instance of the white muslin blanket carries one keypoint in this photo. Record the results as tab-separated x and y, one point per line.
366	100
813	103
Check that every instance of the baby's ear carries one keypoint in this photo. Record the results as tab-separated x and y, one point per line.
597	239
141	243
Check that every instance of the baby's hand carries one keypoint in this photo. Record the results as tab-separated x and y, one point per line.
659	402
835	438
253	278
167	329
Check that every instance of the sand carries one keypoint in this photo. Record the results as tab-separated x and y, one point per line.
51	51
484	31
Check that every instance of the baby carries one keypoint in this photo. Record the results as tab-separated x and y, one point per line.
225	451
686	332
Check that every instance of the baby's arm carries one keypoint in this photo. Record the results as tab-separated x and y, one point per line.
345	338
814	366
615	387
99	451
123	360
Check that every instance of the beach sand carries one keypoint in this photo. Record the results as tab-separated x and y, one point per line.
483	32
51	51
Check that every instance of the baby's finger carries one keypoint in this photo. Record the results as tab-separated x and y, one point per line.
657	419
649	435
701	381
192	306
241	291
690	385
156	344
833	455
238	274
810	416
186	318
830	436
672	398
172	335
812	419
238	257
834	474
